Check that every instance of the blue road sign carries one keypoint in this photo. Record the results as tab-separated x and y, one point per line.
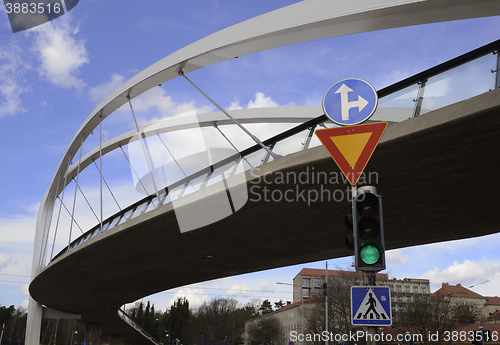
350	102
371	306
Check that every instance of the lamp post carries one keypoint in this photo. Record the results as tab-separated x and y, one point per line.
302	304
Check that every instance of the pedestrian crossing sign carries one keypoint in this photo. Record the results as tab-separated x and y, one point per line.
371	306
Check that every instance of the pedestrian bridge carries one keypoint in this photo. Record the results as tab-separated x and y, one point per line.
236	206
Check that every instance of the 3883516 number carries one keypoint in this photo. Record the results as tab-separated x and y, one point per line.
32	7
464	336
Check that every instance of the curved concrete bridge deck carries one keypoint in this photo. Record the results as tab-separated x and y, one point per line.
436	174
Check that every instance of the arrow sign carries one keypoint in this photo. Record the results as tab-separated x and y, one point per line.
352	146
346	105
350	102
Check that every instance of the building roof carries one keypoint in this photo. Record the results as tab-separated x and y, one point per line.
291	305
492	300
317	272
494	317
455	291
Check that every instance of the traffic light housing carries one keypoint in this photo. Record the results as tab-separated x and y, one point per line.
368	228
481	336
408	339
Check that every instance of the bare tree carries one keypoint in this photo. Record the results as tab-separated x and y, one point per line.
429	317
267	331
465	313
339	307
218	319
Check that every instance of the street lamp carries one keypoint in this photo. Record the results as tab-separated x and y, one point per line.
302	304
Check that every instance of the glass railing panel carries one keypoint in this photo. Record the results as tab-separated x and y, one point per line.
225	171
126	216
254	160
195	184
292	144
397	106
460	83
314	139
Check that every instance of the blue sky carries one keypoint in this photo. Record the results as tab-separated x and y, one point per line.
54	75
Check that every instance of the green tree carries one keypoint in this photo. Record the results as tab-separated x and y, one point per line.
266	307
6	314
278	305
178	319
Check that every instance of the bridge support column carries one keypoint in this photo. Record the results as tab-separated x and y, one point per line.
116	339
92	333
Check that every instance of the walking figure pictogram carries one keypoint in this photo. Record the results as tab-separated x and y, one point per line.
373	304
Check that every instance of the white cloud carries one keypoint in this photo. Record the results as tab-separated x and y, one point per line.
4	260
61	53
100	92
25	304
266	285
17	229
239	290
147	105
195	295
24	290
12	67
235	104
466	273
260	101
397	257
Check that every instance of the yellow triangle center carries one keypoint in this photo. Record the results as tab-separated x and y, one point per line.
351	146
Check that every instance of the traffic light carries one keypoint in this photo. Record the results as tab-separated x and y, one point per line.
349	239
408	339
368	226
481	336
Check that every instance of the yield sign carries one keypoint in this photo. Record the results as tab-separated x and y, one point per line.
352	146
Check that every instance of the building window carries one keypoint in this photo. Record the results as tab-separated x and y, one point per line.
318	282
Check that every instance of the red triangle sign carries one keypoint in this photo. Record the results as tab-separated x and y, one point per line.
352	146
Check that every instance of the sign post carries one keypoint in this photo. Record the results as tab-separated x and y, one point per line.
348	103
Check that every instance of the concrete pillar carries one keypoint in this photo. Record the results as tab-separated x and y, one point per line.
92	333
116	339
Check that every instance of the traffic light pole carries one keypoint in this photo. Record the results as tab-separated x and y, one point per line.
368	276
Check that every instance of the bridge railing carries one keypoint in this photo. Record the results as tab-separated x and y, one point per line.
466	76
124	316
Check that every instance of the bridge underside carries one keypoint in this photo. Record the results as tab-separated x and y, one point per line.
436	174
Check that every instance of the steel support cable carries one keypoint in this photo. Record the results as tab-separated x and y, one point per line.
229	141
88	203
254	138
60	206
70	216
107	185
175	160
100	170
131	166
46	227
76	190
145	148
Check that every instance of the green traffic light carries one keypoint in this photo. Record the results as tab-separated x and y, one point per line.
370	252
370	255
